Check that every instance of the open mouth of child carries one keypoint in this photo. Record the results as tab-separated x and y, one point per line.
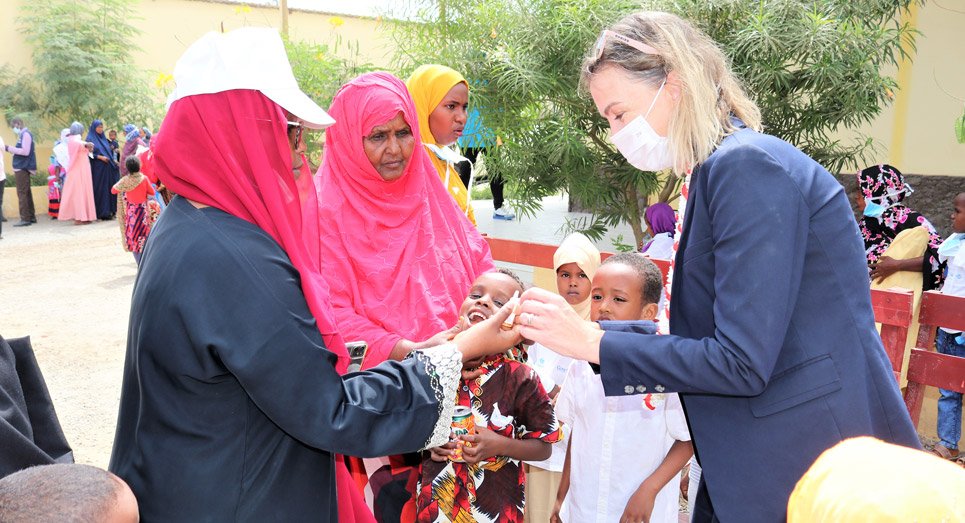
476	315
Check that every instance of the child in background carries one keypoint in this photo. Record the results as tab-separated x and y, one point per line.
53	188
575	262
514	421
136	213
628	449
115	146
949	341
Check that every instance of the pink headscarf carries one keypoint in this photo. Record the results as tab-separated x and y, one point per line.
399	256
230	150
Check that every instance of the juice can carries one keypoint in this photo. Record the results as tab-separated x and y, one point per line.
462	423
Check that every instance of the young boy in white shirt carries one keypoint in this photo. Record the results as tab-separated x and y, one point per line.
951	341
628	449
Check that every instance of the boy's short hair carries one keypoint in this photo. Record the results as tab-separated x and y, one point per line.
651	278
511	274
67	493
133	164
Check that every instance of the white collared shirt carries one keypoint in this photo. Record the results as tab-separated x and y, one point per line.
616	444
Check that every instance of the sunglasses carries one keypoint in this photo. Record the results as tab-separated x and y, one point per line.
636	44
298	134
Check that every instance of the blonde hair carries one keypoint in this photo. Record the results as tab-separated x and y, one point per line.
710	94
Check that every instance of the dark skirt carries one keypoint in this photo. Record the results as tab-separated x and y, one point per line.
103	177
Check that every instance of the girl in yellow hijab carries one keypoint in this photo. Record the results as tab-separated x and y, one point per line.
441	98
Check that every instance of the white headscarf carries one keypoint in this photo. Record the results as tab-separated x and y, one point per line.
578	249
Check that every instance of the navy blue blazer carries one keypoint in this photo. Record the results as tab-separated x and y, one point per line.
773	344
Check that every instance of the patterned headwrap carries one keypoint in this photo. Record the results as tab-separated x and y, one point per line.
885	185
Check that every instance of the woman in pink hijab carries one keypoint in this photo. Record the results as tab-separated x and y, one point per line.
398	254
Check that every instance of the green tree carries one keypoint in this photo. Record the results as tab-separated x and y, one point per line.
83	58
320	70
815	67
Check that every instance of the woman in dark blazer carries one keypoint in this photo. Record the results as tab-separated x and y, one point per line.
772	342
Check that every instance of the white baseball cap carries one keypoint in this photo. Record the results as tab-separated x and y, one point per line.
246	58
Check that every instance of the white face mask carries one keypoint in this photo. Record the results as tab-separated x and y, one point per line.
641	145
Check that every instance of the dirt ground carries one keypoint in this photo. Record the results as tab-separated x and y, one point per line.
69	288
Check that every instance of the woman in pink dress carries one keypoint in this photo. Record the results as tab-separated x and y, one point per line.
77	198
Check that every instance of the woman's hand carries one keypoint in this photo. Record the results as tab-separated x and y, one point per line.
102	158
488	337
886	266
547	319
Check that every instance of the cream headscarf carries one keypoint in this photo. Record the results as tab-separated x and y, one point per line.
578	249
428	86
865	479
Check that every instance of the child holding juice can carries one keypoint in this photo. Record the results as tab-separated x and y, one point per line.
513	421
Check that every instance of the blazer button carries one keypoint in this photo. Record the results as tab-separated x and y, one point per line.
658	388
628	389
641	389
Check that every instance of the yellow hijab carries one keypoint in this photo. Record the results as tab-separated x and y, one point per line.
578	249
867	480
428	85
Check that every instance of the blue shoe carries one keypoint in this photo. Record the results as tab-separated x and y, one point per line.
502	214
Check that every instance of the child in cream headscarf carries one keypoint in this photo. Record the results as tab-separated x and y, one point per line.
575	262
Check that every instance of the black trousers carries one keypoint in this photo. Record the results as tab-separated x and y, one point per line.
495	179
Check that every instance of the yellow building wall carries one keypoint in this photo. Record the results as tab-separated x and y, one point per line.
170	26
916	133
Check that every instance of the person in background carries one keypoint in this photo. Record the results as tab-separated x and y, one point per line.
77	198
441	96
952	341
3	182
24	165
576	262
115	147
475	140
66	493
146	136
661	223
137	207
132	141
881	190
104	171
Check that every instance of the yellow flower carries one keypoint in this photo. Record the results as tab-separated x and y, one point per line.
378	19
246	8
237	10
889	94
163	79
493	34
336	21
318	56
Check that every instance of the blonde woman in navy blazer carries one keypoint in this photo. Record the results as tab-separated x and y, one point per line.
772	342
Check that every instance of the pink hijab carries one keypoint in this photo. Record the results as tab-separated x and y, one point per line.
399	256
